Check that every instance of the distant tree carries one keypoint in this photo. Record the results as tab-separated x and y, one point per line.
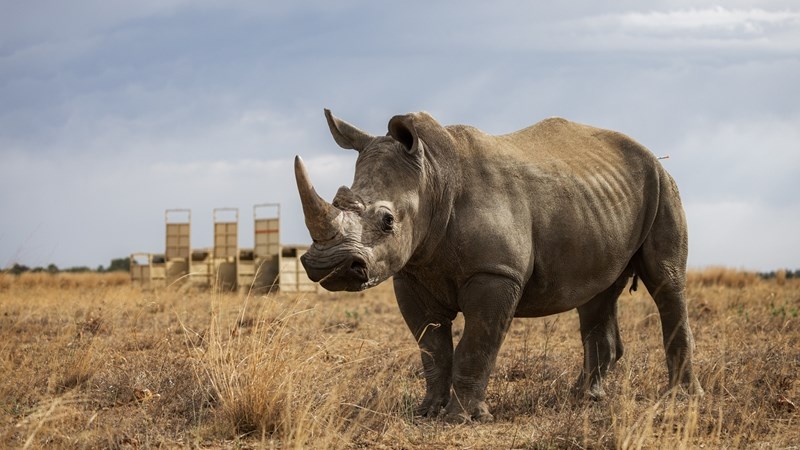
787	274
52	268
120	265
17	269
78	269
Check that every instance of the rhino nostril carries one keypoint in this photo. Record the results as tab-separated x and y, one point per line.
359	267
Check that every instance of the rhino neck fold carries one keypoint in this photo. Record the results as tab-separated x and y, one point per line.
441	185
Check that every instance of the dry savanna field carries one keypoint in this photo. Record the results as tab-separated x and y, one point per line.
88	361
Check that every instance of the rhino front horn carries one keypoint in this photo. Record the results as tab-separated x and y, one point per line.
321	216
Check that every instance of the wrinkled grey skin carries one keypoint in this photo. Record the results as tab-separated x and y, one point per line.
550	218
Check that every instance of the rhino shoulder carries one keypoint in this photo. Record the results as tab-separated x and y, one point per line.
555	121
552	126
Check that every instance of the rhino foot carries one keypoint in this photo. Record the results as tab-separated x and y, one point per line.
589	388
695	390
596	394
427	411
477	411
458	418
462	418
431	406
685	391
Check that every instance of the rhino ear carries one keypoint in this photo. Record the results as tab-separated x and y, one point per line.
346	135
402	129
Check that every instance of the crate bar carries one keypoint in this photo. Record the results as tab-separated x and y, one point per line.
179	247
262	268
226	247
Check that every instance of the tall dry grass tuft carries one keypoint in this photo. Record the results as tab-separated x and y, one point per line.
282	373
79	368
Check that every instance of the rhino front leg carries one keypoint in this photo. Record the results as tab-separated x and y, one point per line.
434	336
488	303
436	348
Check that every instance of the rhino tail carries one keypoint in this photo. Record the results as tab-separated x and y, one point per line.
634	284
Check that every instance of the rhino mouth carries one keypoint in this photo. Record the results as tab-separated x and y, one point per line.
348	274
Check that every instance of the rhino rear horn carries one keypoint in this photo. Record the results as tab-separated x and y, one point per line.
321	216
346	199
346	135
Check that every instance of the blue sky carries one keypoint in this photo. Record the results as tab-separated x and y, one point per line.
112	112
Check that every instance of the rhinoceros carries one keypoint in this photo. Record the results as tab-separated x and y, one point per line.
550	218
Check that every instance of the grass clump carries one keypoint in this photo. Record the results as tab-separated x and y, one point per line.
283	376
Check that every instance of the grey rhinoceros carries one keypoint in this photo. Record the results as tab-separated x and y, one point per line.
553	217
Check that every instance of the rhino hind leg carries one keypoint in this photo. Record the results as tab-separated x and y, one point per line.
676	334
662	267
602	345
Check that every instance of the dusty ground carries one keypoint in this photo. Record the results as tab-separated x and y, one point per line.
91	362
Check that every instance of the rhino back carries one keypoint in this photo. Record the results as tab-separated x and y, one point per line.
560	207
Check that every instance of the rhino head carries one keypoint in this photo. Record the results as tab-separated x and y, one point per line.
367	234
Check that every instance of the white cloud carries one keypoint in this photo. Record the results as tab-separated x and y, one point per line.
690	29
717	19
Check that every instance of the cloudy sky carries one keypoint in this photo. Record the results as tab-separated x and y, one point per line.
112	111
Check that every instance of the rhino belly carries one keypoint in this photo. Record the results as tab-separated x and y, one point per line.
540	300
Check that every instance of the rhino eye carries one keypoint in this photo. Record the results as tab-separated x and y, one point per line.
387	222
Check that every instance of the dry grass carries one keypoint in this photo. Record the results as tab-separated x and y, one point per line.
63	280
91	363
723	276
